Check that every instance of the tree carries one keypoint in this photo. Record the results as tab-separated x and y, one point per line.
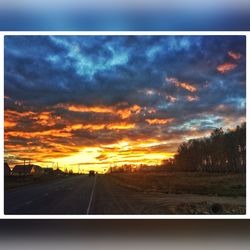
221	152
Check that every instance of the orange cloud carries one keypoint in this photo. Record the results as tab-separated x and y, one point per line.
234	55
95	109
117	125
184	85
19	114
87	126
192	98
188	87
172	99
44	118
27	135
151	110
11	118
159	121
123	113
226	67
9	124
121	126
126	113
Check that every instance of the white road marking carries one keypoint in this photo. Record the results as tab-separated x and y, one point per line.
92	195
28	202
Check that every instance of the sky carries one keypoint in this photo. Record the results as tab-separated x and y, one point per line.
91	102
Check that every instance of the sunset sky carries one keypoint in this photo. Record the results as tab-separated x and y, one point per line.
95	101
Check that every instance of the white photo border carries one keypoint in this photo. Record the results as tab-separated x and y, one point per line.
121	33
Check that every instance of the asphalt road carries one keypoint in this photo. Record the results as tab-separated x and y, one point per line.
74	195
98	194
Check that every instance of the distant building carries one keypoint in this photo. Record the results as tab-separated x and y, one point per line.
26	170
7	170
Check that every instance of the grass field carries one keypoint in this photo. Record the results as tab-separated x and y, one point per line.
214	184
11	182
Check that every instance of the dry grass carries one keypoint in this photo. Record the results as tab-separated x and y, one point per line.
12	182
214	184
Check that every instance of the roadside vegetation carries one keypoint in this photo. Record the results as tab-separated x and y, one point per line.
213	184
12	182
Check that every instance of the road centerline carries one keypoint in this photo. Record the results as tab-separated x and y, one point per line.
91	196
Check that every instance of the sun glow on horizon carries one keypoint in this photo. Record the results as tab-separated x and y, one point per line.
122	153
100	158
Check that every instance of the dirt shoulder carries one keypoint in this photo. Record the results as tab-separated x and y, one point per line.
185	193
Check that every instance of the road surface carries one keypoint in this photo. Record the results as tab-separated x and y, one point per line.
98	194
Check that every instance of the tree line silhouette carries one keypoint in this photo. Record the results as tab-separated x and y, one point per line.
221	152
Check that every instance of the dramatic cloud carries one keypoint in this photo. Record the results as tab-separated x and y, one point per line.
225	67
103	100
183	85
234	55
159	121
192	98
